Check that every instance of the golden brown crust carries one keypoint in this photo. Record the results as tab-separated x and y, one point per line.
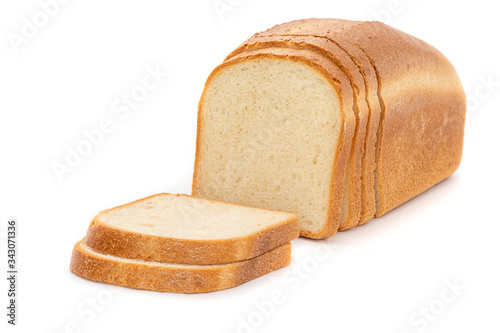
172	278
133	245
361	167
422	121
342	85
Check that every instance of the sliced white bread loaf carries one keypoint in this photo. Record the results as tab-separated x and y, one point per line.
413	143
188	230
170	277
274	130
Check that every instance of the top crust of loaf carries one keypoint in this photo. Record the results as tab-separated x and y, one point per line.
119	241
343	88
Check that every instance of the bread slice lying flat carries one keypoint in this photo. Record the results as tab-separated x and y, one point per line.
188	230
274	130
169	277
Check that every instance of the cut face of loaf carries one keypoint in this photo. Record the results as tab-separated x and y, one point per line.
274	130
188	230
359	195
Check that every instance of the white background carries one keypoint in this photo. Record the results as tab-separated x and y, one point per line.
375	278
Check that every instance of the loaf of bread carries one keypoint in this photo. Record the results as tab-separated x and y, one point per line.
187	230
279	128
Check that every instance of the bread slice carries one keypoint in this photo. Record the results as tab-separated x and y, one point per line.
360	172
274	130
169	277
188	230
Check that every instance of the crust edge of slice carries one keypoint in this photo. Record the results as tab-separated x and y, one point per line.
171	277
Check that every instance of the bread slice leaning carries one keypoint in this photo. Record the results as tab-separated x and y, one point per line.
274	130
169	277
188	230
359	192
